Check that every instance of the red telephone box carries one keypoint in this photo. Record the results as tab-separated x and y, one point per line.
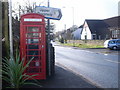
33	43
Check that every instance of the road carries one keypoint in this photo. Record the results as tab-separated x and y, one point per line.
98	68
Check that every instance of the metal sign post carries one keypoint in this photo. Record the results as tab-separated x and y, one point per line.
49	64
49	13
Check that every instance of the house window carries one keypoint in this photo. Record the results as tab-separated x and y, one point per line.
94	36
115	33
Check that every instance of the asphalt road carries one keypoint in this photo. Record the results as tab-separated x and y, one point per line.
100	69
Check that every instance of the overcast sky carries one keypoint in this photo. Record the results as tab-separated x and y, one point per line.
83	9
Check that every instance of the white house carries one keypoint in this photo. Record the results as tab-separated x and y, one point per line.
95	29
86	33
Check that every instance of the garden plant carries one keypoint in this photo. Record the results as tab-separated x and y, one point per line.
13	72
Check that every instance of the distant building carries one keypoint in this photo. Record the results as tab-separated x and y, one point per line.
77	33
114	27
101	29
95	30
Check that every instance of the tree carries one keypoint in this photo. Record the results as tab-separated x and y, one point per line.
73	28
52	30
27	7
52	27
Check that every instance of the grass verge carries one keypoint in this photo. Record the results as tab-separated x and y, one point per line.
83	45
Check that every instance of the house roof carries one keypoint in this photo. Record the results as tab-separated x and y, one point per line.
78	31
96	25
113	22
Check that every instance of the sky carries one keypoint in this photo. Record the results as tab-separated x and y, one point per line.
74	12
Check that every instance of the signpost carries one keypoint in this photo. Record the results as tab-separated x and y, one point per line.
48	12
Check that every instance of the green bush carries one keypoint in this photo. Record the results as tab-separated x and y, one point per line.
13	72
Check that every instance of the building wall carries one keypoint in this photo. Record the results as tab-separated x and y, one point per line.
77	34
115	33
86	32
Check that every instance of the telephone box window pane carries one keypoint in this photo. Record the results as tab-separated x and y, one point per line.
32	53
39	34
32	47
33	29
32	64
35	64
33	70
33	57
32	35
29	41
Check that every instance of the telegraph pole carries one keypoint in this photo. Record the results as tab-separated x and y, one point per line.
73	27
49	62
10	28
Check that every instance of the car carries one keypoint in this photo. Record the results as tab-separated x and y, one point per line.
112	44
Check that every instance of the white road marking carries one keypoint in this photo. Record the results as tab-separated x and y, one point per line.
112	61
105	54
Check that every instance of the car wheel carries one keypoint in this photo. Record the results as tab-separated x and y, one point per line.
114	48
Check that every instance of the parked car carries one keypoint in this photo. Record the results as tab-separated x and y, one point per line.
112	44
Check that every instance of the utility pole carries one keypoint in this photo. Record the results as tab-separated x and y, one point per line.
49	62
10	28
19	11
73	17
73	27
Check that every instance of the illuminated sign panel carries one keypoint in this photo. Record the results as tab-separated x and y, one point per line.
32	20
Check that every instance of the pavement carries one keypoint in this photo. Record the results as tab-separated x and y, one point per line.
64	78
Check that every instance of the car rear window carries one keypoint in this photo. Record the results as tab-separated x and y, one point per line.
118	41
111	42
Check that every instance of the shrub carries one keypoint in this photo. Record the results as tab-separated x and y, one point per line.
61	40
13	72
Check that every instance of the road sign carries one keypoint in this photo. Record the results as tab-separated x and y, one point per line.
48	12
